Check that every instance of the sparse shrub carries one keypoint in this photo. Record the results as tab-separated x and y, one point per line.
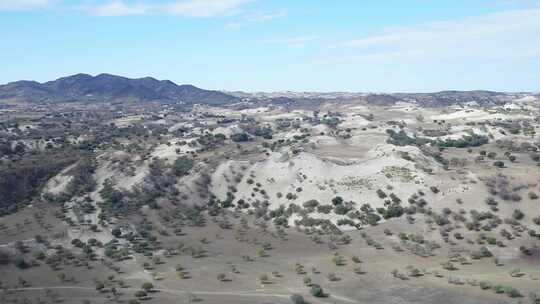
221	277
332	277
499	164
492	155
413	271
448	266
338	200
99	286
518	215
485	285
297	299
240	137
263	278
381	194
116	232
326	209
316	291
21	263
147	286
141	294
513	292
311	204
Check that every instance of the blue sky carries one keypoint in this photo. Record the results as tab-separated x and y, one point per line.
261	45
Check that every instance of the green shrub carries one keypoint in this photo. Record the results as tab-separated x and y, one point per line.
297	299
182	166
316	291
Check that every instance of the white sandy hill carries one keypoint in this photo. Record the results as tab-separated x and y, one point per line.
31	144
253	111
231	112
353	120
278	114
526	99
320	128
58	183
404	107
324	179
460	131
359	108
323	140
168	151
127	121
476	115
287	135
179	125
106	170
228	130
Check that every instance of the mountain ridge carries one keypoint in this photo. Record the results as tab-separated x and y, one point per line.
112	88
107	87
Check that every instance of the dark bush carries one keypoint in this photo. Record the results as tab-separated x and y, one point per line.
316	291
182	166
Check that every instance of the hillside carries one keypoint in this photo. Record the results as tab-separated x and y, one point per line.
106	87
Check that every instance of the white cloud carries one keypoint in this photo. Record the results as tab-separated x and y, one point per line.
296	41
119	8
24	4
235	10
518	3
184	8
503	35
255	17
204	8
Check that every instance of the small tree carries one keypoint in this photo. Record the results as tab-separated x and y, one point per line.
448	266
338	200
263	278
20	262
499	164
221	277
141	294
147	286
316	291
332	277
261	253
99	286
192	298
182	166
297	299
116	232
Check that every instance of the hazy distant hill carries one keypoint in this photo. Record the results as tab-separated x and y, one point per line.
106	87
446	98
436	99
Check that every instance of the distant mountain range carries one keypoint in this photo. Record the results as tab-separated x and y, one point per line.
111	88
106	87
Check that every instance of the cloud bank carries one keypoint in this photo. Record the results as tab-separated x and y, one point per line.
508	35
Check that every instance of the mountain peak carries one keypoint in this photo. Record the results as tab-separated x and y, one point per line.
108	87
